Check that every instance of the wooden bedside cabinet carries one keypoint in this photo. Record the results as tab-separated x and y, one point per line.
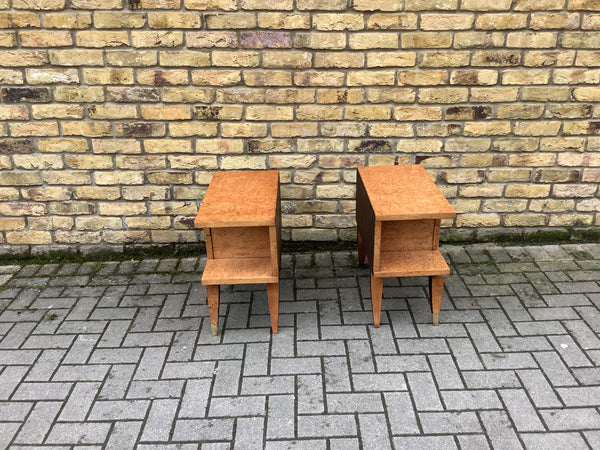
241	217
398	212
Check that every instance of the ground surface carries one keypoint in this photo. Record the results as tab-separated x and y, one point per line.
119	355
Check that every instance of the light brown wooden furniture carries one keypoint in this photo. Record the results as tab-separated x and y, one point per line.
398	212
241	217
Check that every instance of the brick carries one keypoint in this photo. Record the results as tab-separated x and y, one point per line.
149	39
365	41
139	58
108	76
79	94
486	5
371	78
502	21
76	57
426	40
216	77
225	5
230	21
166	77
72	20
392	21
45	38
50	76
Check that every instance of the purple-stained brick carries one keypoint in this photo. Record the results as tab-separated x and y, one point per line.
266	39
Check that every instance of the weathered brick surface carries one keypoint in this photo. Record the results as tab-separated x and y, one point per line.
120	354
508	88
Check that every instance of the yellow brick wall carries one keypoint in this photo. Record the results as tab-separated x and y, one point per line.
113	119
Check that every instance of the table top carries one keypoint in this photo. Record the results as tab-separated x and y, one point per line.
404	192
237	199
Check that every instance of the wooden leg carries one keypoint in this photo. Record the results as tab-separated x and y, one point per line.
376	293
362	251
273	296
212	294
436	287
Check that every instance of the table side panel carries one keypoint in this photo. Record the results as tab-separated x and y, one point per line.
398	235
365	219
240	242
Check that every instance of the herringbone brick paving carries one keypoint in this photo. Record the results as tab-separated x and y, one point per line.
120	355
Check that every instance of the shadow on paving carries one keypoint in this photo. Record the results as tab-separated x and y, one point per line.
120	355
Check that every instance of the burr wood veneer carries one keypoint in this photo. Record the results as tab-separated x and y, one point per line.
241	217
398	211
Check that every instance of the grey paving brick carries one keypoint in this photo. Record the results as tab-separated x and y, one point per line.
593	437
554	369
281	417
450	422
540	328
490	379
524	344
150	365
520	410
155	389
330	313
538	388
249	433
195	399
554	440
282	343
327	425
46	365
227	378
473	442
68	372
402	324
14	411
580	396
471	400
42	391
7	432
18	357
424	442
182	348
237	406
354	402
582	334
373	431
268	385
464	353
310	394
379	382
570	351
408	363
508	361
114	334
587	375
81	349
401	413
78	433
554	313
119	410
361	357
160	420
187	370
500	430
256	360
424	391
117	382
499	322
38	423
79	402
306	326
220	352
417	346
571	419
382	340
336	374
445	372
17	335
563	300
198	430
482	337
304	444
294	366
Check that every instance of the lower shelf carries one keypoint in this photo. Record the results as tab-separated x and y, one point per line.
411	263
239	271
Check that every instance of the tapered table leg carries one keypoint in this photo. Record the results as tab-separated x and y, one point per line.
376	293
436	288
212	294
273	296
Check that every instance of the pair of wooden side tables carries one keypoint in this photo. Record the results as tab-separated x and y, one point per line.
398	213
